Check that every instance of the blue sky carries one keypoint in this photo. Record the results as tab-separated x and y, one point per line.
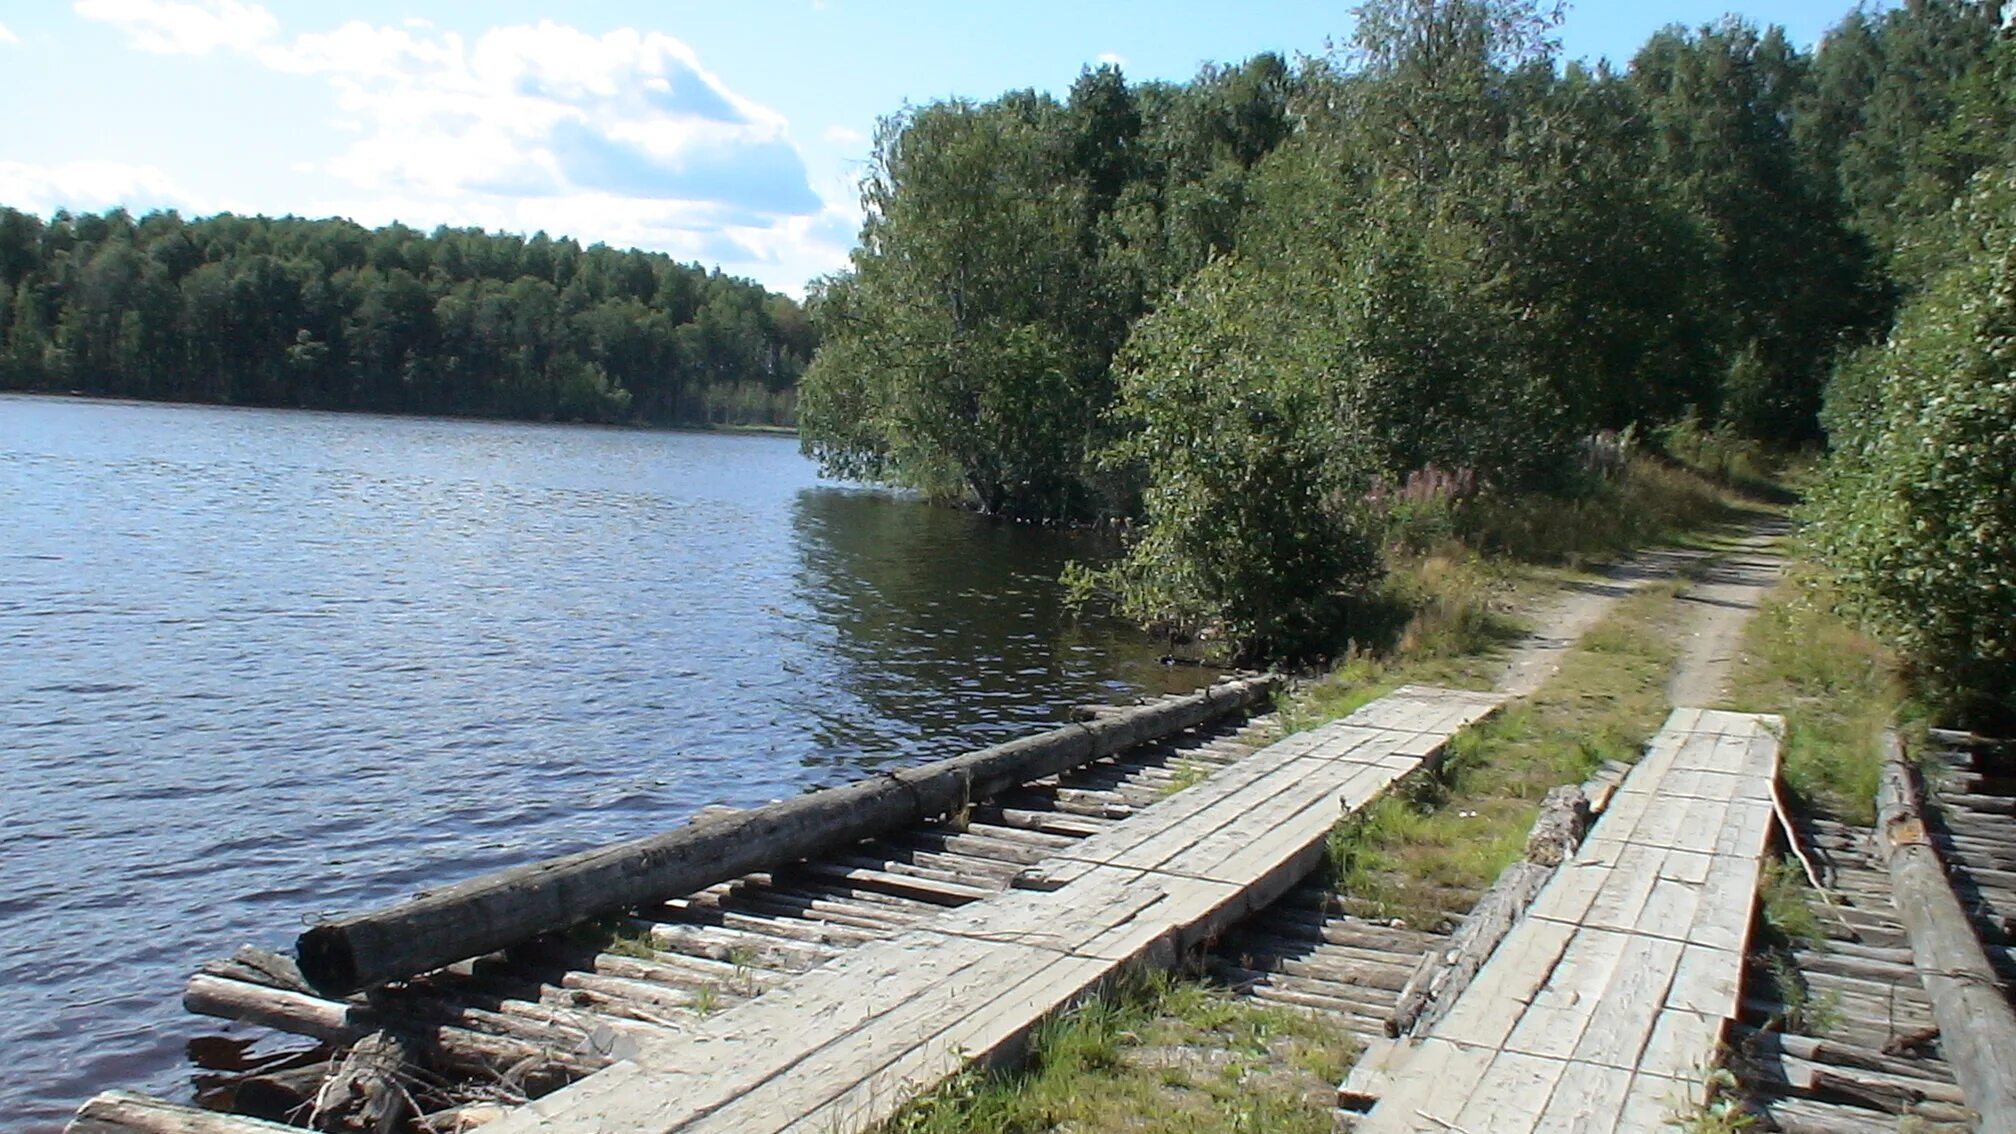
728	133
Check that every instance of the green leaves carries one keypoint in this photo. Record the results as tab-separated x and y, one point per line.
1917	512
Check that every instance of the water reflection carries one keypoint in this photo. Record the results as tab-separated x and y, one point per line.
953	625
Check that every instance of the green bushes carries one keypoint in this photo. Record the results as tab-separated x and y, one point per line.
1255	521
1916	512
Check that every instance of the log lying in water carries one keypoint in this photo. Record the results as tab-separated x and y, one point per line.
1977	1028
500	909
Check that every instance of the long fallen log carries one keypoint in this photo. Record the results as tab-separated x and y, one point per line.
500	909
1977	1028
1443	974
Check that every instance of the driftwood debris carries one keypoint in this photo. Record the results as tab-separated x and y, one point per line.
1977	1026
365	1092
1443	974
497	910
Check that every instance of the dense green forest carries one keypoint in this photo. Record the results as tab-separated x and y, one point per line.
1256	312
328	314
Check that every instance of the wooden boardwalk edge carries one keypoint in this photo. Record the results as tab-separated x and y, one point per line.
1604	1008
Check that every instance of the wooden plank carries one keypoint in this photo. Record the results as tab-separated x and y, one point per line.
1558	1013
1621	1020
844	1044
1683	1042
1603	1008
1487	1012
1512	1095
1586	1100
1454	1069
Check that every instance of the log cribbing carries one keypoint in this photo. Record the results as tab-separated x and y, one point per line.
503	908
1977	1028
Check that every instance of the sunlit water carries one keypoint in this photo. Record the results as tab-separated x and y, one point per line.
256	666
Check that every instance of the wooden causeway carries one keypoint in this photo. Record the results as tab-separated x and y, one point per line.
845	1045
1604	1008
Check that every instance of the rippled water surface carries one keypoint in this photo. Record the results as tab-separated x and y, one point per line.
257	665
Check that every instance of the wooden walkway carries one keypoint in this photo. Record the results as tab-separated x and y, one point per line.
1604	1008
847	1044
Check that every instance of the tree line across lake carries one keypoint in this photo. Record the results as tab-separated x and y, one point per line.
1245	310
330	315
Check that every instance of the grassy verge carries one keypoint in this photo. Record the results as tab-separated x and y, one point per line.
1423	853
1158	1053
1836	688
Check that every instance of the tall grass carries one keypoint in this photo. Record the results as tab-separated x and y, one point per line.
1648	501
1156	1052
1836	687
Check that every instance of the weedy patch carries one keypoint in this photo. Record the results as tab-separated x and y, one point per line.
1186	774
1161	1053
1836	688
1720	1110
616	935
1791	923
1425	852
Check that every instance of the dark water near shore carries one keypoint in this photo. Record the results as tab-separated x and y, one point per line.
259	665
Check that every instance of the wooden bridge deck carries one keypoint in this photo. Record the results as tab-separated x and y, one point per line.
1604	1008
847	1044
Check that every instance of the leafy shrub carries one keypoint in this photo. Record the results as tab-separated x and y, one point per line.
1917	510
1254	502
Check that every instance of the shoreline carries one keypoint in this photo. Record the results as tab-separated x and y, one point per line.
637	426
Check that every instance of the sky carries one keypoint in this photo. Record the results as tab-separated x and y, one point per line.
728	133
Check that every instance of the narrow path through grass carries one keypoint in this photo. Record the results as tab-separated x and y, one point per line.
1183	1054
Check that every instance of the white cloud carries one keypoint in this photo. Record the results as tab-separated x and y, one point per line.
845	135
624	137
184	27
1113	57
545	110
7	35
87	186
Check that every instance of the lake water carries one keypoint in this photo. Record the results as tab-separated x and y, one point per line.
261	665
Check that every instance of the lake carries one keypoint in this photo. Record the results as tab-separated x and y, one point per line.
257	666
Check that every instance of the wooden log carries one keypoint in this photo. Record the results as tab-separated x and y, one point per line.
123	1112
452	1044
1443	974
500	909
278	1095
1557	831
365	1092
1977	1026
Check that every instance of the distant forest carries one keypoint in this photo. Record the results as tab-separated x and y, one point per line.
328	314
1239	312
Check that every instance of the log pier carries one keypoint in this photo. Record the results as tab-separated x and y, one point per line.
750	900
821	991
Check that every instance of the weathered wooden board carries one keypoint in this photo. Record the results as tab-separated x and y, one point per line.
1601	1011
